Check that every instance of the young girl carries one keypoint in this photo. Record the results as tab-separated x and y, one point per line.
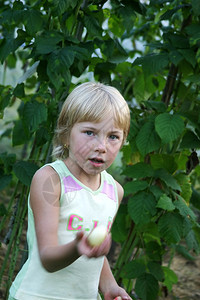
72	196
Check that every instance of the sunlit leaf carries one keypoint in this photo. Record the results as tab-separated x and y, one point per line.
170	278
165	203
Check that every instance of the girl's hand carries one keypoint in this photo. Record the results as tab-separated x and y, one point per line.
117	293
84	248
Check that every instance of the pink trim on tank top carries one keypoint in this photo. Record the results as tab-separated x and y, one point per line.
71	185
109	190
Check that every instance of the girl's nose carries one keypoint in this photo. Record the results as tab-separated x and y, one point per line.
100	145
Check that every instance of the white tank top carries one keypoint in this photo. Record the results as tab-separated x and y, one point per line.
80	209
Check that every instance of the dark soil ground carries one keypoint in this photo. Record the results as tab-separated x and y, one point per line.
188	286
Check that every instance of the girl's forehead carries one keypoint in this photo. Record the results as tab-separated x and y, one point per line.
104	124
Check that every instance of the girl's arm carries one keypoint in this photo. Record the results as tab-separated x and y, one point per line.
107	284
44	201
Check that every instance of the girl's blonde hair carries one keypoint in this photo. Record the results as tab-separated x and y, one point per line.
89	102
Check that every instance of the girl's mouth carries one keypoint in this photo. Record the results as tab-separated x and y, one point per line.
96	161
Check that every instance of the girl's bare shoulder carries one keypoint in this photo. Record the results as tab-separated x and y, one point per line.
46	179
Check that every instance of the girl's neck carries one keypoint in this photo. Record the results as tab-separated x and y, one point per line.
91	181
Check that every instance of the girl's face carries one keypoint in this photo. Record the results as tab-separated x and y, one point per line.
94	146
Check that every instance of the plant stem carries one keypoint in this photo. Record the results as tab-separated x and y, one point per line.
15	251
14	231
2	224
125	253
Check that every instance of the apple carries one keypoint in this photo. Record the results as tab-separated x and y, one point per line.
97	235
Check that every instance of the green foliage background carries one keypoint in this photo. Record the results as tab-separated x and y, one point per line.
150	51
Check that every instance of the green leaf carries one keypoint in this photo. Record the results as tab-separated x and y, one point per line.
34	114
169	180
190	141
33	21
184	252
82	52
184	210
7	160
163	161
66	57
150	232
194	31
142	207
195	7
156	191
19	91
165	203
153	63
146	287
170	278
48	42
154	250
189	56
169	127
188	224
156	270
128	17
116	25
170	227
186	186
20	134
120	226
194	78
42	136
158	106
169	13
92	25
147	139
195	198
61	6
4	180
139	88
58	66
176	40
5	97
133	187
139	170
181	159
103	70
3	210
6	47
24	171
134	269
175	57
192	241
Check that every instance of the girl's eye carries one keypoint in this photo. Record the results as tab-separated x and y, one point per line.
89	133
114	137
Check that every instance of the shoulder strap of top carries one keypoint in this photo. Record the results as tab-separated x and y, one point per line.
61	170
111	181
